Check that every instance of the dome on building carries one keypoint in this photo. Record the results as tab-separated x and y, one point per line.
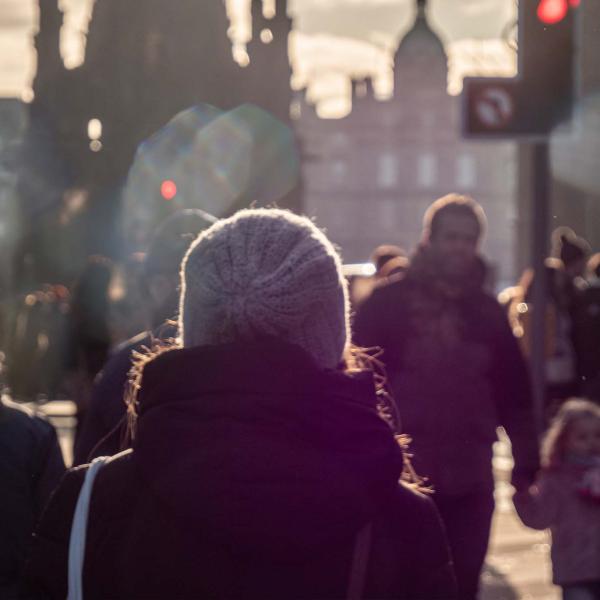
421	58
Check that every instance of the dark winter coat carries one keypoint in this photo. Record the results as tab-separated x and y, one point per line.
250	476
101	433
586	334
31	466
456	373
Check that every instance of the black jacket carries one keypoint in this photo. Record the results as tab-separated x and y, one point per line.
456	373
586	337
250	476
102	432
31	466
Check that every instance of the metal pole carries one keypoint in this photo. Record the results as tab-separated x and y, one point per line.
540	222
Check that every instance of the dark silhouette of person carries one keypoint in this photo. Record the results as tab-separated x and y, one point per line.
31	465
586	332
101	432
560	361
456	373
388	260
90	336
572	250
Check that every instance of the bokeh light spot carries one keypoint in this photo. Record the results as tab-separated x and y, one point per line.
168	189
266	36
552	11
94	129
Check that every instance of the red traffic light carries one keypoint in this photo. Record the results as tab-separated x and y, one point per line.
551	12
168	189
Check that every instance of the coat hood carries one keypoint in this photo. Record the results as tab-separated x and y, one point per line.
259	449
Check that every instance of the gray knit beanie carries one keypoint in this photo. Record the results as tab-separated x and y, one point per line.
265	272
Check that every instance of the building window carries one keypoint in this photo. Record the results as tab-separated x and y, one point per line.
339	170
387	171
426	170
466	174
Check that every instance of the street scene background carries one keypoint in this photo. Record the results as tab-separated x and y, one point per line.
354	113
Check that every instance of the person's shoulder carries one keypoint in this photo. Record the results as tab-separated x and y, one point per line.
114	467
123	351
107	393
390	287
116	484
24	417
411	508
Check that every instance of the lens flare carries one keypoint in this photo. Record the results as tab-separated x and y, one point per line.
210	159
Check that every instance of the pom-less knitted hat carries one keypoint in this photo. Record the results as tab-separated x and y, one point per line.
265	272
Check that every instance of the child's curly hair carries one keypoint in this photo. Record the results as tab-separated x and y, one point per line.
555	439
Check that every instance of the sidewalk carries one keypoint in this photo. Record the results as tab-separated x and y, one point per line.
518	561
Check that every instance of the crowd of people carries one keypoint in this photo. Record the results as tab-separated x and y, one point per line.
572	319
269	435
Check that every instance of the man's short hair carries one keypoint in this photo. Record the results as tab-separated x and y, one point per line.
452	204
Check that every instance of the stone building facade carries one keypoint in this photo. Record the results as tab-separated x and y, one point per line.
369	177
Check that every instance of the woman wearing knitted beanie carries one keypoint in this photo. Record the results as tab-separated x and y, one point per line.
261	466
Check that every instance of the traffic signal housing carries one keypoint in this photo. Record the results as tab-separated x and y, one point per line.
547	30
541	95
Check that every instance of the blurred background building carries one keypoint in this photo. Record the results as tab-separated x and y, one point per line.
370	176
73	119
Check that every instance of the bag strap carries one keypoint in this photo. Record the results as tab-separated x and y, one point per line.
360	560
79	530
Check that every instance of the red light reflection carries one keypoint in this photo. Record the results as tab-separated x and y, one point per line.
168	189
552	11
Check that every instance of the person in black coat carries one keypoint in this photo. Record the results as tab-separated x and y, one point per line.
259	456
457	374
586	325
31	466
104	426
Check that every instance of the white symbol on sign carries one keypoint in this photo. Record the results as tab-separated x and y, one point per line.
494	107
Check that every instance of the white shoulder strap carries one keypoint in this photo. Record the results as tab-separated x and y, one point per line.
360	562
79	528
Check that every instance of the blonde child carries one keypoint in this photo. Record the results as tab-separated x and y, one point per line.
566	498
